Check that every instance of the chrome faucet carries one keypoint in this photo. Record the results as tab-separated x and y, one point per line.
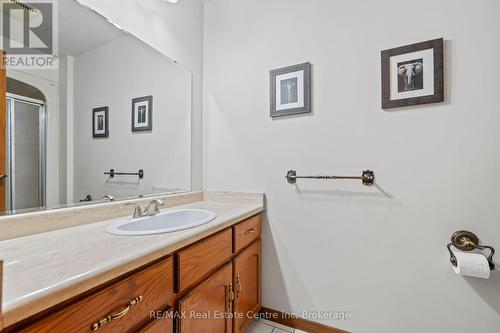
137	211
156	204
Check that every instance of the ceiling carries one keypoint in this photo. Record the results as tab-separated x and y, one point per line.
80	29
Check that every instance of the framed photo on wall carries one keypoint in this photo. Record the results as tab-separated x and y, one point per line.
100	122
291	90
142	114
413	74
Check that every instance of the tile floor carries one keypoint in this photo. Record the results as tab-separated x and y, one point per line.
265	326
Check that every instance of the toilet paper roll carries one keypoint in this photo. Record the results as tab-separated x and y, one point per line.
472	264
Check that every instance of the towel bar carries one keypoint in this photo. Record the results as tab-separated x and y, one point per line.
367	177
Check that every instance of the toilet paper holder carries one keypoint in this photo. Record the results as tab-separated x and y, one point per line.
468	241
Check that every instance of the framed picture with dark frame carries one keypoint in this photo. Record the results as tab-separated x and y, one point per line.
291	90
142	114
413	74
100	122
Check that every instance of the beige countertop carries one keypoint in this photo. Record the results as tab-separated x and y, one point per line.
46	269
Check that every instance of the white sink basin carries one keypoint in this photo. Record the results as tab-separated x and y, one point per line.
169	221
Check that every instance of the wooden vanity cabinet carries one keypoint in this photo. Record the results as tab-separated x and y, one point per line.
211	286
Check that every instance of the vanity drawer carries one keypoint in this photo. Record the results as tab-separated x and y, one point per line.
246	232
131	300
196	261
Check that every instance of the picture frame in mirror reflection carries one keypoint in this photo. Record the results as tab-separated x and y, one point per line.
100	122
290	90
142	114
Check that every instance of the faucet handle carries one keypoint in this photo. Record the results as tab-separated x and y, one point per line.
156	203
137	211
159	202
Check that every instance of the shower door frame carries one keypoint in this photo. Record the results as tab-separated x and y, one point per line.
42	149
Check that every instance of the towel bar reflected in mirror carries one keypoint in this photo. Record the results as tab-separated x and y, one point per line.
112	173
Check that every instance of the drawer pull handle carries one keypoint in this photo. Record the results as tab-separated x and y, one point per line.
238	284
250	231
231	296
114	316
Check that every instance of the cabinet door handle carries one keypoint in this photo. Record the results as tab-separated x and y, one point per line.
250	231
230	296
117	315
238	285
3	177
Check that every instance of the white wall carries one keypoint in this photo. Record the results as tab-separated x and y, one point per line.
112	75
338	246
177	31
66	128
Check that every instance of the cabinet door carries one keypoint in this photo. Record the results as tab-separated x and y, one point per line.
247	284
207	309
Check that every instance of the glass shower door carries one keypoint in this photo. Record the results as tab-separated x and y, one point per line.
25	153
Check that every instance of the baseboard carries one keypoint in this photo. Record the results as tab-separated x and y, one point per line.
296	322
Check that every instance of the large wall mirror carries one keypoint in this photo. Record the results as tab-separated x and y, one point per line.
112	122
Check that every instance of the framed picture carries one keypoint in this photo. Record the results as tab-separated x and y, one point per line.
142	114
413	74
291	90
100	122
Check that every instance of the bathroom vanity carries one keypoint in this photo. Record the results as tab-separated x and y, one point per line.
205	279
77	152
